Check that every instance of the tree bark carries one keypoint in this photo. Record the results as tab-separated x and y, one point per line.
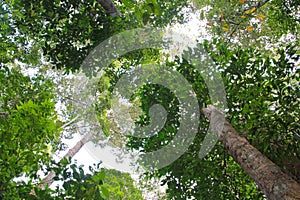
274	183
110	7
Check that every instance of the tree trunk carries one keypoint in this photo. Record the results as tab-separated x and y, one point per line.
274	183
110	7
49	178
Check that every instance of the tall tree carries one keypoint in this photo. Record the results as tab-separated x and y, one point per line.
268	176
261	83
79	25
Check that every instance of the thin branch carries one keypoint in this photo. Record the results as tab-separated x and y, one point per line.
237	24
257	6
70	122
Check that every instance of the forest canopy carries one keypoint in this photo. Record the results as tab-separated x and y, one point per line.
150	100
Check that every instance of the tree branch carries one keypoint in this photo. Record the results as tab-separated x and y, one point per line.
110	7
257	6
49	178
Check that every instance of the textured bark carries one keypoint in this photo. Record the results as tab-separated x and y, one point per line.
274	183
49	179
110	7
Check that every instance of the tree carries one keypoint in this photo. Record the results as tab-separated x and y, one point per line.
254	78
27	129
261	84
44	22
50	177
29	125
268	176
67	32
98	183
252	82
120	185
110	7
251	23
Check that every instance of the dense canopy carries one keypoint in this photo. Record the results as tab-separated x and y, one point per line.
252	45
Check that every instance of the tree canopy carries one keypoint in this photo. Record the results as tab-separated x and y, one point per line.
254	47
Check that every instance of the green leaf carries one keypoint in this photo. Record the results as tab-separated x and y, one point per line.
105	191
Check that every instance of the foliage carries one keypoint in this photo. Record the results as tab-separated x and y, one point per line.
96	183
250	46
265	102
262	93
213	177
28	127
68	31
217	176
264	106
76	183
244	22
120	185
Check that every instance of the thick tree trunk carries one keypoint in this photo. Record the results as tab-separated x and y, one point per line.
274	183
49	179
110	7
